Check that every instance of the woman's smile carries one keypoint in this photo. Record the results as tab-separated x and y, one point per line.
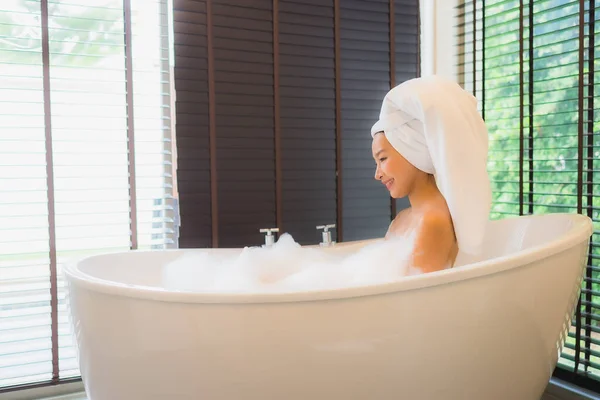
388	184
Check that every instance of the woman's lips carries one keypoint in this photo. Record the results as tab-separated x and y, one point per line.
388	184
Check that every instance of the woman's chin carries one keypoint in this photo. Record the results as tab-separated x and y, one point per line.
396	192
397	195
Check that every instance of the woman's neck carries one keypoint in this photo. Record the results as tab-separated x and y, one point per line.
424	192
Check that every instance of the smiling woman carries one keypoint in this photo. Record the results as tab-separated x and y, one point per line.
430	144
435	247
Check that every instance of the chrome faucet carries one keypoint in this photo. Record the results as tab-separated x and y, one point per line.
269	238
326	234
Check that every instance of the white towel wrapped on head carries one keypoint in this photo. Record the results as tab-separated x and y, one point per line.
435	125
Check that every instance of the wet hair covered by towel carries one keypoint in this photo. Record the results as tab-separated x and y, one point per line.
435	125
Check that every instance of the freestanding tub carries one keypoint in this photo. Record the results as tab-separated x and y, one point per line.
486	329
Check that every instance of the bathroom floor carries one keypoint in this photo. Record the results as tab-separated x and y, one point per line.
555	391
559	390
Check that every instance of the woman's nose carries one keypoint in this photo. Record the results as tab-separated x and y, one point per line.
377	174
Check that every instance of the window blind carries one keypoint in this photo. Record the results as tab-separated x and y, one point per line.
365	52
85	160
25	324
372	57
272	99
308	124
245	149
190	31
535	76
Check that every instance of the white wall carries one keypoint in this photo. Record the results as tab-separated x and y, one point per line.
438	38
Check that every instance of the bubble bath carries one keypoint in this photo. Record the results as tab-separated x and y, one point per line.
288	267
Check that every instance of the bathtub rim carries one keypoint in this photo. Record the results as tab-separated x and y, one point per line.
579	233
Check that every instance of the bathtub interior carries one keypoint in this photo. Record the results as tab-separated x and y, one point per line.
512	235
504	237
136	268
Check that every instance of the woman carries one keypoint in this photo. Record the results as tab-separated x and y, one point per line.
430	144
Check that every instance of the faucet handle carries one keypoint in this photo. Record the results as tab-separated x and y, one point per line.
326	227
268	231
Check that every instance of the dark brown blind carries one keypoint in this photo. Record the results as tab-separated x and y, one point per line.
243	73
532	63
365	41
291	144
307	96
367	74
407	40
192	122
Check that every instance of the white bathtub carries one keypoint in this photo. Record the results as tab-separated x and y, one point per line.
487	330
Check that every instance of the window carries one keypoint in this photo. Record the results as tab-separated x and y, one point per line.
532	64
85	160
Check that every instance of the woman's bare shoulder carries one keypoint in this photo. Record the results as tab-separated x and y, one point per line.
437	218
435	241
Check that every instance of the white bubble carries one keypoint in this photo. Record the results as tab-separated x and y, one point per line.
289	267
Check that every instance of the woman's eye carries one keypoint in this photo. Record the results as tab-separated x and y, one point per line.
382	159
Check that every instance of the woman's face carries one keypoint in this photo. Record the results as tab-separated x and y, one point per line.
397	174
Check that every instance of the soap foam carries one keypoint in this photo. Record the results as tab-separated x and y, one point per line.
289	267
